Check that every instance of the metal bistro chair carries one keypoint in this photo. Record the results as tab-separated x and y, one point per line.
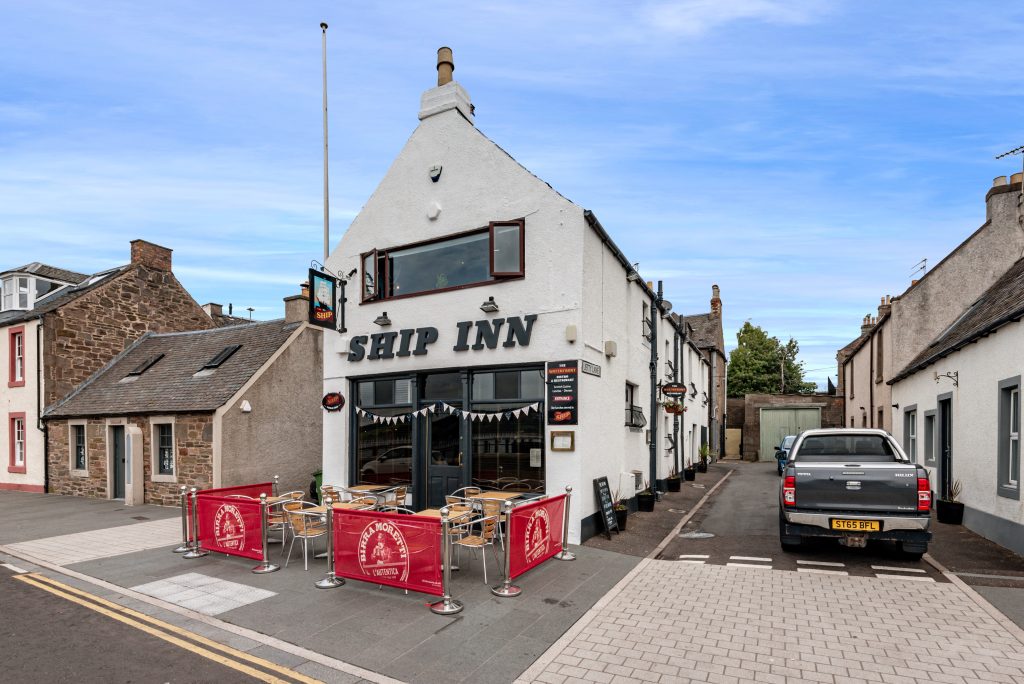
276	520
488	524
305	525
459	500
394	498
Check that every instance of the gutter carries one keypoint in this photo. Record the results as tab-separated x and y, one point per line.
653	446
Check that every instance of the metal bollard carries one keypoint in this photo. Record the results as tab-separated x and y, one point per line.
506	589
447	605
565	554
329	581
277	479
266	566
184	522
194	551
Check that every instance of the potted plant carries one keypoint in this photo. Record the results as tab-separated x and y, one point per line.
704	453
690	472
673	480
645	499
621	511
951	510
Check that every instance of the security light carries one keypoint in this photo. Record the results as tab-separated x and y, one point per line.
490	306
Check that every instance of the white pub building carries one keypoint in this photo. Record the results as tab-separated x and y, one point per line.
496	336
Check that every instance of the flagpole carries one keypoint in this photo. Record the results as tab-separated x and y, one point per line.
327	212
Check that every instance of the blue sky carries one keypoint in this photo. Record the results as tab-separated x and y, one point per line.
803	155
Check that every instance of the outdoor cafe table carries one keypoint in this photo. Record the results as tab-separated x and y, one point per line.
368	488
436	513
496	496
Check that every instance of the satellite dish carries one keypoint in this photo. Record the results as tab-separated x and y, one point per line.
666	305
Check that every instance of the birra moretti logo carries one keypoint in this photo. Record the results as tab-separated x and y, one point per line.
229	528
538	535
383	552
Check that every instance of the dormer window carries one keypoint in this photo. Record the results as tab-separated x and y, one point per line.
16	293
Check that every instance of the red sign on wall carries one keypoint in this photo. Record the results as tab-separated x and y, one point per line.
230	520
388	548
535	533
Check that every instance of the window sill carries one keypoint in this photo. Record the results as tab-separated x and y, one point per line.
16	383
1008	492
21	470
496	281
78	473
167	479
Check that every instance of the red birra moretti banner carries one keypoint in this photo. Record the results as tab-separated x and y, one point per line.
230	520
388	548
535	533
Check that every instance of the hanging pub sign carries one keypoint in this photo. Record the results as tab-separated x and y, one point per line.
323	299
674	389
563	392
333	401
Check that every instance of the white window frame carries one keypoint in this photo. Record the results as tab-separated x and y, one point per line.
1014	438
72	424
18	426
154	436
18	340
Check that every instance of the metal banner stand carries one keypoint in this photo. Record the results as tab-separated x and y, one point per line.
506	589
194	551
184	522
329	581
266	566
447	605
565	554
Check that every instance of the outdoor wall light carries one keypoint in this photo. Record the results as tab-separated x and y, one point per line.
490	306
896	406
383	320
245	407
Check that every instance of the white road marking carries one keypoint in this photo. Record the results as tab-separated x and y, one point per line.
750	558
819	571
749	565
695	562
905	577
695	555
894	568
13	568
822	563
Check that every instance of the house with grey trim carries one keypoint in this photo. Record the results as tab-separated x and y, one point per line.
207	408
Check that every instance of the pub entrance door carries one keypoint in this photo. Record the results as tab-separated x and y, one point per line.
444	436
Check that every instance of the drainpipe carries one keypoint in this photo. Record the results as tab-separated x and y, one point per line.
675	418
655	316
871	381
40	425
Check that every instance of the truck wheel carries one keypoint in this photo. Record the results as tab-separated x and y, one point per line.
788	542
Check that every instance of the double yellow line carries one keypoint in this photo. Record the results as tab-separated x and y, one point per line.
241	661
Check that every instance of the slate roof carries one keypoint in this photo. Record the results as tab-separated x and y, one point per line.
1001	304
62	297
171	384
51	272
707	331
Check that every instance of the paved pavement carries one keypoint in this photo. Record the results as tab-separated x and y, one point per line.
66	549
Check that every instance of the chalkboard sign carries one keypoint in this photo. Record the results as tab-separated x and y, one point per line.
604	498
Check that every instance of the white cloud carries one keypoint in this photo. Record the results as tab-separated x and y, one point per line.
696	17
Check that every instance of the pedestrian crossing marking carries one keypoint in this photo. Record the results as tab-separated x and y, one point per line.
893	568
821	563
905	577
749	565
750	558
703	556
821	571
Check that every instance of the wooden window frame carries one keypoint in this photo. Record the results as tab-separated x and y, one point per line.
15	334
519	223
362	280
12	466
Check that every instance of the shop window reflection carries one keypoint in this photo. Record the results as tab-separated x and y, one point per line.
508	453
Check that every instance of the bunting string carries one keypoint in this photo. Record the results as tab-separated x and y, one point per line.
442	407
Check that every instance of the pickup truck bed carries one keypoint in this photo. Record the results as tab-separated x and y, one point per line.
854	485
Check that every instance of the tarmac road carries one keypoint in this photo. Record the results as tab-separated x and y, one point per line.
49	637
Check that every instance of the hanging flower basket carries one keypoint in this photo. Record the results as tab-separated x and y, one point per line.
674	407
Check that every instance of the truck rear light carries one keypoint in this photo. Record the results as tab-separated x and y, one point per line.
924	494
789	490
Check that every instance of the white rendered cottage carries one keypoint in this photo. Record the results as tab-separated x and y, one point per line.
470	282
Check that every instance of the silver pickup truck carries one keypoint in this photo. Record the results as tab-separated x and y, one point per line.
854	485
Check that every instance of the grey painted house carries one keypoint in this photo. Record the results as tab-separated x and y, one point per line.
208	408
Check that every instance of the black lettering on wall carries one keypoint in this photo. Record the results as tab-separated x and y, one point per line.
424	336
462	343
382	345
403	346
487	334
356	350
517	332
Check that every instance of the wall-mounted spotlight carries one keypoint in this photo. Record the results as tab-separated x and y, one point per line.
490	306
896	406
351	273
383	320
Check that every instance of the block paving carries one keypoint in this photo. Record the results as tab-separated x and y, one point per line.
677	622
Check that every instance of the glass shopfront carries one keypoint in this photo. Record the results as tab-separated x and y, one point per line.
470	433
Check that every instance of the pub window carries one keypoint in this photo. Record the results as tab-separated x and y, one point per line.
384	450
508	453
1009	438
475	258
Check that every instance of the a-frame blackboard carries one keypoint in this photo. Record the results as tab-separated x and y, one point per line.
604	500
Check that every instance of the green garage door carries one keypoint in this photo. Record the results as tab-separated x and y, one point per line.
776	423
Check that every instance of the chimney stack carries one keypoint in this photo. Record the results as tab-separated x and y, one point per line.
866	325
213	310
296	307
152	256
716	302
885	307
445	66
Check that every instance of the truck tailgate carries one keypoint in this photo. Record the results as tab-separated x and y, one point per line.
853	486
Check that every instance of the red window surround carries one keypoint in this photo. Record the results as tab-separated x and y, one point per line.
16	357
13	420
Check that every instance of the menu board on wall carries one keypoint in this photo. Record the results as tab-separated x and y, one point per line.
563	392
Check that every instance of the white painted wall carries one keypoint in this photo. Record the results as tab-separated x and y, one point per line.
17	400
975	414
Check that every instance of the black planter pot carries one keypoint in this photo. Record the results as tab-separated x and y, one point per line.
702	467
949	512
674	484
645	503
690	474
620	517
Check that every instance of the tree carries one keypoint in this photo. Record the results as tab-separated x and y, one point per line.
760	365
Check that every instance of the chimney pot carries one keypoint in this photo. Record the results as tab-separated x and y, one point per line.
304	289
716	302
998	181
445	65
1017	177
